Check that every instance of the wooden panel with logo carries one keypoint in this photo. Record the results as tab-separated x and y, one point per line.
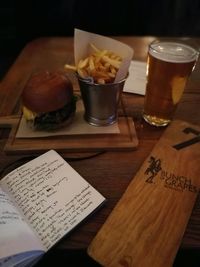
147	225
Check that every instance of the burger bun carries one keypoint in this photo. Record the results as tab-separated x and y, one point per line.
47	91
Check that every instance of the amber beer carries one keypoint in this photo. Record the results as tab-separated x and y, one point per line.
169	65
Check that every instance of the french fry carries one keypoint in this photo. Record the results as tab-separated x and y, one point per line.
82	73
113	70
101	81
94	47
70	67
113	62
110	74
83	63
91	63
99	74
101	65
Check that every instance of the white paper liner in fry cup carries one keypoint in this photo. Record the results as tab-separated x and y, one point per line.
82	49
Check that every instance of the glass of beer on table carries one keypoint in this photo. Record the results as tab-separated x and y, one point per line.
169	66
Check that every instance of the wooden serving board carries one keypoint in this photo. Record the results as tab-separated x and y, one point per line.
146	226
125	140
52	54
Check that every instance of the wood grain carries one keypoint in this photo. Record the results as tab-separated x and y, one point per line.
110	172
125	140
147	225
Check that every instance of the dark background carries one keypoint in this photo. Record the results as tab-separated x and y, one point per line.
22	21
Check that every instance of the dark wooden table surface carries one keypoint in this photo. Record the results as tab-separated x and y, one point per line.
109	172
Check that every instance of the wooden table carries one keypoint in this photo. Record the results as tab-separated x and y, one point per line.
109	172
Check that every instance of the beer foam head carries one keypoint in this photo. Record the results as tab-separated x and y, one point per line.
173	52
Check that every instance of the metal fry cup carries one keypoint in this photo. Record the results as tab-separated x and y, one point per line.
100	101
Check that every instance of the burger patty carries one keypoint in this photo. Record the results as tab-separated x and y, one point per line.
51	120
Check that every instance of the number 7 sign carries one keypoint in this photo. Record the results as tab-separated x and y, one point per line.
189	142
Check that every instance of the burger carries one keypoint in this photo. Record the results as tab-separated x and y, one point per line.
48	102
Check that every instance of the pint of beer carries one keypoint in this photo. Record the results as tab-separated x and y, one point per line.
169	65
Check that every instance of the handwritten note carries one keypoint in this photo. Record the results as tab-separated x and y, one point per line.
8	213
53	197
15	234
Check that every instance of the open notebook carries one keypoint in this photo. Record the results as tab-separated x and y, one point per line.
40	202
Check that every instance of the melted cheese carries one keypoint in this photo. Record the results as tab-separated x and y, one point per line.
28	114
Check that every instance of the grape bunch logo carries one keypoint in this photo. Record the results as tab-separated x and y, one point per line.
153	169
171	180
155	172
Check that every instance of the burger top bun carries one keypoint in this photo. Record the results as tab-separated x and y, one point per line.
47	91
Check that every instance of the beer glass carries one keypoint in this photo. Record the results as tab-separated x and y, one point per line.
169	66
